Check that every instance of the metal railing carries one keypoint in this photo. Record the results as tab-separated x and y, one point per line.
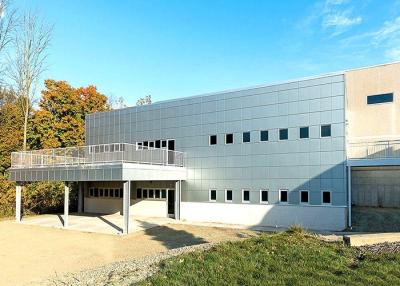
96	154
388	149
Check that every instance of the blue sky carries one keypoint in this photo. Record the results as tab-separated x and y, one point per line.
173	49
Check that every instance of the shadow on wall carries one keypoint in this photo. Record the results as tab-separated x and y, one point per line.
169	237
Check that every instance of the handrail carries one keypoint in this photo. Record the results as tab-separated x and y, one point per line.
382	149
96	154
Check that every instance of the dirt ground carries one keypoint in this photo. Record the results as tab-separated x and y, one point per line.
31	253
371	219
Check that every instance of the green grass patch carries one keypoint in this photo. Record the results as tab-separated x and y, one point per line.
289	258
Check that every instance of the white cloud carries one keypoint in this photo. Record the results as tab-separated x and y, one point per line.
393	54
389	30
340	20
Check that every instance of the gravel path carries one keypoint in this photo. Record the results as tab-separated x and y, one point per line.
123	272
380	248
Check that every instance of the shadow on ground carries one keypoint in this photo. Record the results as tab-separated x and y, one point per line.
375	219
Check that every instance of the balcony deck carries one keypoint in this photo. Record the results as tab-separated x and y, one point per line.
106	162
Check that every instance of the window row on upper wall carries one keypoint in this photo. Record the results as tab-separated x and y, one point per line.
304	133
151	193
156	144
105	193
304	196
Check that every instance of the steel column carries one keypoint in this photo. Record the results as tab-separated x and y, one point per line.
66	204
18	203
349	195
126	205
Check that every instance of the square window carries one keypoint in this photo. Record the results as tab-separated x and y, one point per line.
245	196
164	144
121	193
106	192
145	144
229	138
304	132
213	139
213	195
326	197
246	137
264	196
304	197
164	194
151	193
158	143
264	135
138	193
101	192
283	196
228	195
326	130
157	194
283	134
145	194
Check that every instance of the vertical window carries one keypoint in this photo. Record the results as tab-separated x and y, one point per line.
245	196
304	197
164	144
106	192
116	193
91	193
246	137
264	135
96	192
144	193
158	144
101	192
326	197
283	196
111	192
264	196
158	194
213	139
326	130
151	194
138	193
213	196
164	194
283	134
145	144
139	146
228	196
304	132
151	144
121	193
229	138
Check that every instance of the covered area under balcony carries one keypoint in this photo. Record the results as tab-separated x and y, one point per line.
112	179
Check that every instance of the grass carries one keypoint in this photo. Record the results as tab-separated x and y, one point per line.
289	258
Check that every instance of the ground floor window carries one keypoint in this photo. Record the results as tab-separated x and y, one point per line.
304	197
213	195
326	197
283	196
106	193
264	196
228	196
151	193
245	196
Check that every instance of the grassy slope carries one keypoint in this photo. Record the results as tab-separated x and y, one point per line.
279	259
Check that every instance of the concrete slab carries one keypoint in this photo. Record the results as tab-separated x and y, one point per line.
370	238
108	224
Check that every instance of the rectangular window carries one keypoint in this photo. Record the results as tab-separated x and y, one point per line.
111	192
264	196
304	197
246	137
139	146
228	195
158	144
326	130
164	194
121	193
213	139
245	196
96	192
106	192
283	134
138	193
151	194
91	193
326	197
283	196
157	194
144	193
380	98
101	192
213	195
145	144
151	144
304	132
229	138
164	144
116	193
264	135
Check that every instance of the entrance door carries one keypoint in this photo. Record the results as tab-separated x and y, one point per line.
171	203
171	148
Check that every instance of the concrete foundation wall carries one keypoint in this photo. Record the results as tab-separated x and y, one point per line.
310	217
378	187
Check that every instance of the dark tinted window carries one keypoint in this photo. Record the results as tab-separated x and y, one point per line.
91	192
284	196
111	193
144	194
151	144
101	192
116	193
213	139
163	194
157	194
228	195
264	135
325	130
145	144
264	196
121	193
304	132
283	134
139	193
164	144
228	138
96	192
246	137
380	98
151	193
158	143
106	192
246	196
213	195
326	197
304	197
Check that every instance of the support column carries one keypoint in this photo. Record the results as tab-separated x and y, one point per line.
349	195
178	185
66	204
80	197
18	203
126	204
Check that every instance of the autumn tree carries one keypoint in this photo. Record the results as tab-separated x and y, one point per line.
144	100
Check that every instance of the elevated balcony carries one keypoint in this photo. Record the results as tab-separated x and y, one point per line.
116	161
374	153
